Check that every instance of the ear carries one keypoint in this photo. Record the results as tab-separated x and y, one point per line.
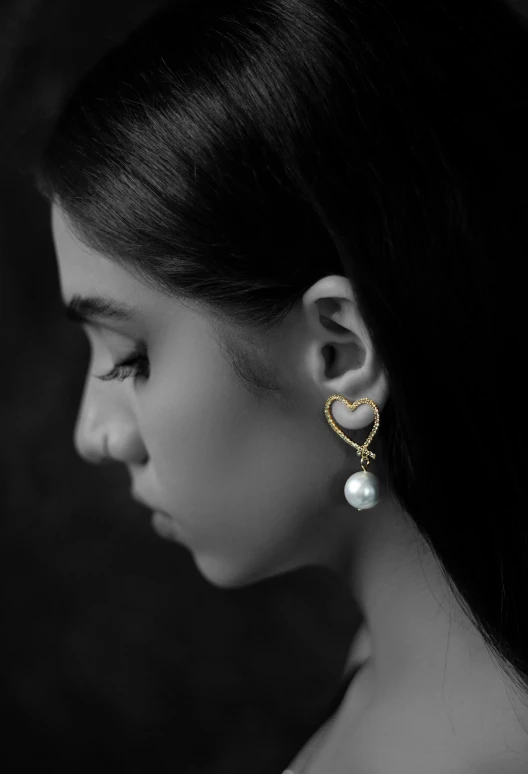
342	358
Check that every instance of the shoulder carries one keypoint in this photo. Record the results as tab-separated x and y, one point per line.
413	737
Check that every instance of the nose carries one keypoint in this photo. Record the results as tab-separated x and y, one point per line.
106	413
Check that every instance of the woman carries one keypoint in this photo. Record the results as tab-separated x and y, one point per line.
283	225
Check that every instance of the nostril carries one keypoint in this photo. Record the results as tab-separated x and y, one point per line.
106	458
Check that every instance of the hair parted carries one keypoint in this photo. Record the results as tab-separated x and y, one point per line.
233	153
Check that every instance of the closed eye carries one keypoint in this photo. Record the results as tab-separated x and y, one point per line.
136	365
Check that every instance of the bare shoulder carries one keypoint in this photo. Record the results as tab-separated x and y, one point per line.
392	739
413	734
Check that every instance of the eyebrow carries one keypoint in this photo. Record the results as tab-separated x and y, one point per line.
83	309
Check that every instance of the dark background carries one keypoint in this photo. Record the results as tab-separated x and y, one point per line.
114	651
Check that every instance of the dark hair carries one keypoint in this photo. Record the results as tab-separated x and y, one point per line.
235	152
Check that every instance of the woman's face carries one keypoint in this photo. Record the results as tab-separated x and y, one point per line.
249	488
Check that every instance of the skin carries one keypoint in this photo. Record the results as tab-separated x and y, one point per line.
253	490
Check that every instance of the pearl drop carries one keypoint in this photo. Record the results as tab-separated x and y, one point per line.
362	490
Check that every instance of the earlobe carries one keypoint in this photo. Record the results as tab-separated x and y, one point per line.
357	373
352	369
376	389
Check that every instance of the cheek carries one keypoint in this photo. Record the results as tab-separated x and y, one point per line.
235	474
200	426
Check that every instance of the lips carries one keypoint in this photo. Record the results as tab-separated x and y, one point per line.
139	499
165	526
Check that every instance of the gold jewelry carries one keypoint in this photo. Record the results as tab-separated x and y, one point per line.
362	489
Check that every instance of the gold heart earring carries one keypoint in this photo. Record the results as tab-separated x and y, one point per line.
362	489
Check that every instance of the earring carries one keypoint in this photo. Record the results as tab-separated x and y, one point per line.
362	489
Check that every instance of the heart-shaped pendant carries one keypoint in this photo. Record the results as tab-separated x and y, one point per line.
362	450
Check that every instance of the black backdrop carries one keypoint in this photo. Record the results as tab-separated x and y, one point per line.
114	651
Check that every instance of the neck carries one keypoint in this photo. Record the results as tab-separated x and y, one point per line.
407	606
415	635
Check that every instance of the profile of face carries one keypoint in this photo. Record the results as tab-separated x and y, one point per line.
250	488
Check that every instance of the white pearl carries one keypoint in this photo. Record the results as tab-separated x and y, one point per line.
362	490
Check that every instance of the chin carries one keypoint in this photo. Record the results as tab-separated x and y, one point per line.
232	575
225	575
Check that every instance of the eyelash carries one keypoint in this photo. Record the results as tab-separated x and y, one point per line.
135	365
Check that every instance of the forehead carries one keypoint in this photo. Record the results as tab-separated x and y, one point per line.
86	272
